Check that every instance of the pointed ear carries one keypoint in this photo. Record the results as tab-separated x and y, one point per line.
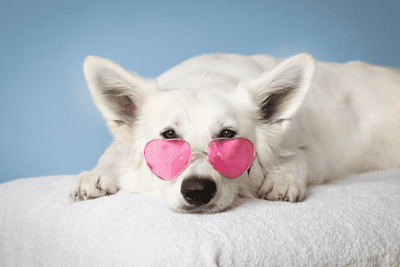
117	93
280	92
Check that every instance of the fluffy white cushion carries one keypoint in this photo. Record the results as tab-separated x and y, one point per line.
352	222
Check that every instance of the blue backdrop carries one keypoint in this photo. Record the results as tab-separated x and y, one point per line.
48	122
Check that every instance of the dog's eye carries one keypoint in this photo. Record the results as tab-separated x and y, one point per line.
170	134
226	133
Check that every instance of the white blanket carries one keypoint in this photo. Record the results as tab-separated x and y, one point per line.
353	222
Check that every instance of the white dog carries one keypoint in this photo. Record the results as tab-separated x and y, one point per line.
309	122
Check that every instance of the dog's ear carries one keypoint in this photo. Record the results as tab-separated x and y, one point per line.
117	93
280	92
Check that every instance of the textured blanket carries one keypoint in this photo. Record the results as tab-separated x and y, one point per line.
352	222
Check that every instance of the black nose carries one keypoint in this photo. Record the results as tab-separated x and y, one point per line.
198	191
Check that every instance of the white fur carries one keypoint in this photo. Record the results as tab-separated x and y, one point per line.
340	119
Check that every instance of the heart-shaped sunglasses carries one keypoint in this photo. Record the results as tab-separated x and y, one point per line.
168	158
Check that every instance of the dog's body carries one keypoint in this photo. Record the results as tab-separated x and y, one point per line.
307	126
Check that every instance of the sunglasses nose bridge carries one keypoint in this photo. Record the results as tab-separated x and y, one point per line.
195	155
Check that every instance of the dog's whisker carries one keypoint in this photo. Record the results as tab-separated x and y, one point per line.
242	188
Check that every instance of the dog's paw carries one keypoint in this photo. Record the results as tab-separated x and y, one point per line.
283	187
93	184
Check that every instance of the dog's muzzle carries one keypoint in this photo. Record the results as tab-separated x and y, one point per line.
198	191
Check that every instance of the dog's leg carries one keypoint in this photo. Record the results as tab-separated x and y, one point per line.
102	180
296	169
287	180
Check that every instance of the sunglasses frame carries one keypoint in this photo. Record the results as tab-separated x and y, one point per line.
193	156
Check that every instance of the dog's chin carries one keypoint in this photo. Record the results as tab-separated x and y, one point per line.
210	208
202	209
205	209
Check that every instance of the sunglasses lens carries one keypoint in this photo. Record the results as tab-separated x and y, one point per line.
231	157
167	158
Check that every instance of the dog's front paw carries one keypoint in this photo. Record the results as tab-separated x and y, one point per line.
281	186
93	184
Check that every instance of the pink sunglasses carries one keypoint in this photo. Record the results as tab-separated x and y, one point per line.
168	158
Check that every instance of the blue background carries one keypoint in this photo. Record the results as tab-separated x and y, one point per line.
48	122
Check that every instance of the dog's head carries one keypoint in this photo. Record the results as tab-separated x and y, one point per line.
198	103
